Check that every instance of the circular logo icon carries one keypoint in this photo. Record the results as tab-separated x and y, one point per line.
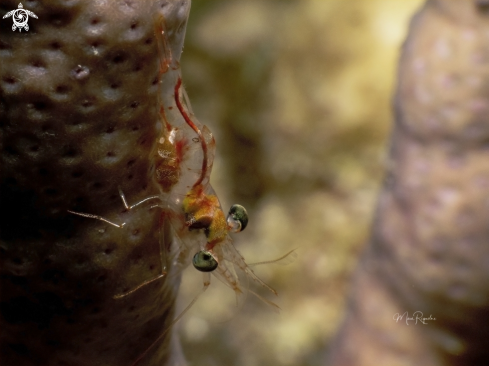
20	17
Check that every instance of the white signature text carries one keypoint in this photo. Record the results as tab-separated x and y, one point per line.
416	318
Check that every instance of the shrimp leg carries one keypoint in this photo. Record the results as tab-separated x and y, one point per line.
162	240
123	197
120	296
96	217
231	254
162	274
124	201
207	282
90	216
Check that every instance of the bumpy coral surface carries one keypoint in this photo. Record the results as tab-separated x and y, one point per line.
78	120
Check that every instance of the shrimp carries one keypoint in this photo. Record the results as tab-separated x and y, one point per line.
202	210
184	158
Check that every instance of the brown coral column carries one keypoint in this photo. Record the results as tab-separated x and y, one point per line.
78	119
429	249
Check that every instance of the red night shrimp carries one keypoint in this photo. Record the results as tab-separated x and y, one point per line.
183	164
206	228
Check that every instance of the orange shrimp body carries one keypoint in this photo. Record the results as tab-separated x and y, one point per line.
192	197
167	161
204	212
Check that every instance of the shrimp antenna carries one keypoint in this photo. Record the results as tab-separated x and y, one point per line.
287	258
195	128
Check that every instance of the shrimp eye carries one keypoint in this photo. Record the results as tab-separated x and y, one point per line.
237	218
204	261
